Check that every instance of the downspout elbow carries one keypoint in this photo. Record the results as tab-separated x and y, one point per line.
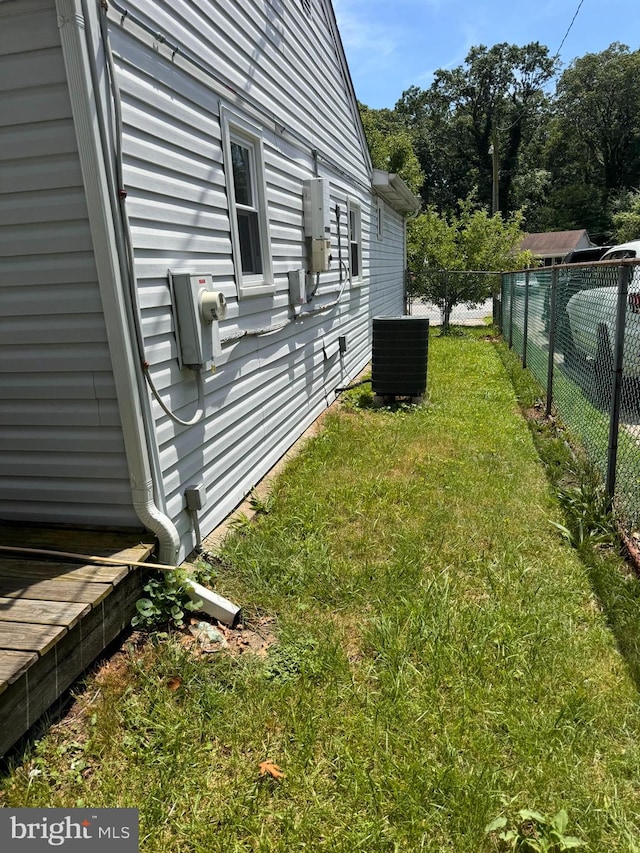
156	522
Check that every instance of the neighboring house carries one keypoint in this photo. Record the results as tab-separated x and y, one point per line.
152	153
552	247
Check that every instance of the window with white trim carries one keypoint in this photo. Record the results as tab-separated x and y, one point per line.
247	195
355	241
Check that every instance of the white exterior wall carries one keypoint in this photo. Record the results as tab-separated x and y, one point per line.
61	451
387	271
267	388
62	457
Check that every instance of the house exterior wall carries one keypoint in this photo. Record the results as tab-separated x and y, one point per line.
61	451
279	69
179	68
387	273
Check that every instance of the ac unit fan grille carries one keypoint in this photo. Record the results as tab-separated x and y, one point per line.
399	357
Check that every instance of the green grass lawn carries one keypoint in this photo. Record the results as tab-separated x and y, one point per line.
442	656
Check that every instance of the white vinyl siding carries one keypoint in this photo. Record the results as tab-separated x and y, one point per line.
268	77
272	56
275	375
62	456
386	290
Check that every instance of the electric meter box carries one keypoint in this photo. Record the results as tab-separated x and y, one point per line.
197	309
317	223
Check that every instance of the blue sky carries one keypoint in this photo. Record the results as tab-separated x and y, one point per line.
394	44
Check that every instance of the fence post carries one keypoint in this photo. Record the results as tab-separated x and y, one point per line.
525	323
616	377
512	280
552	338
408	307
499	312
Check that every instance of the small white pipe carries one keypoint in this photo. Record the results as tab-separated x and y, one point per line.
213	604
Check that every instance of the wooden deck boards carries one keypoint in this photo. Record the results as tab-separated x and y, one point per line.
13	664
57	615
59	589
18	571
27	637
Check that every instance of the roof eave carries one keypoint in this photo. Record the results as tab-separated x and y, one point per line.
394	191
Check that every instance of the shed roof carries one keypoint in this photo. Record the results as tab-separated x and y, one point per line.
555	243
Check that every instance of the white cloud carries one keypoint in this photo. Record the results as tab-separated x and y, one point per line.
360	31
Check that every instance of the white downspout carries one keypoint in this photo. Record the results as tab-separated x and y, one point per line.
71	24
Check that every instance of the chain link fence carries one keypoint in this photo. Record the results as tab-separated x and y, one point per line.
458	298
577	329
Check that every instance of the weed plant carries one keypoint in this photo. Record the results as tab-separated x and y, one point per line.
166	603
445	659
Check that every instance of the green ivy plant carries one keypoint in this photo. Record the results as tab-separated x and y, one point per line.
535	833
166	603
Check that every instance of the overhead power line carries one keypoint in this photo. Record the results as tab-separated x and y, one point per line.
569	29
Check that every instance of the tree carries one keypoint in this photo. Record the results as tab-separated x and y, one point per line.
438	139
391	145
626	217
450	256
492	100
598	103
565	159
573	196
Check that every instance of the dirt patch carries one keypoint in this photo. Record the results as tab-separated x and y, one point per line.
211	637
631	548
537	413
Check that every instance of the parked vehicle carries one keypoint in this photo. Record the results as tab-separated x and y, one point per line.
585	256
624	250
591	313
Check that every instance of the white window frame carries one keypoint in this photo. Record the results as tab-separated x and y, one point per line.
236	129
354	234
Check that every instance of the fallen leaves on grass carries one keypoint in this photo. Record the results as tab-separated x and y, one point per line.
267	768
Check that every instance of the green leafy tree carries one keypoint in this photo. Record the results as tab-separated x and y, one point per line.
391	145
438	139
494	99
565	159
450	256
592	146
598	103
574	197
626	217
